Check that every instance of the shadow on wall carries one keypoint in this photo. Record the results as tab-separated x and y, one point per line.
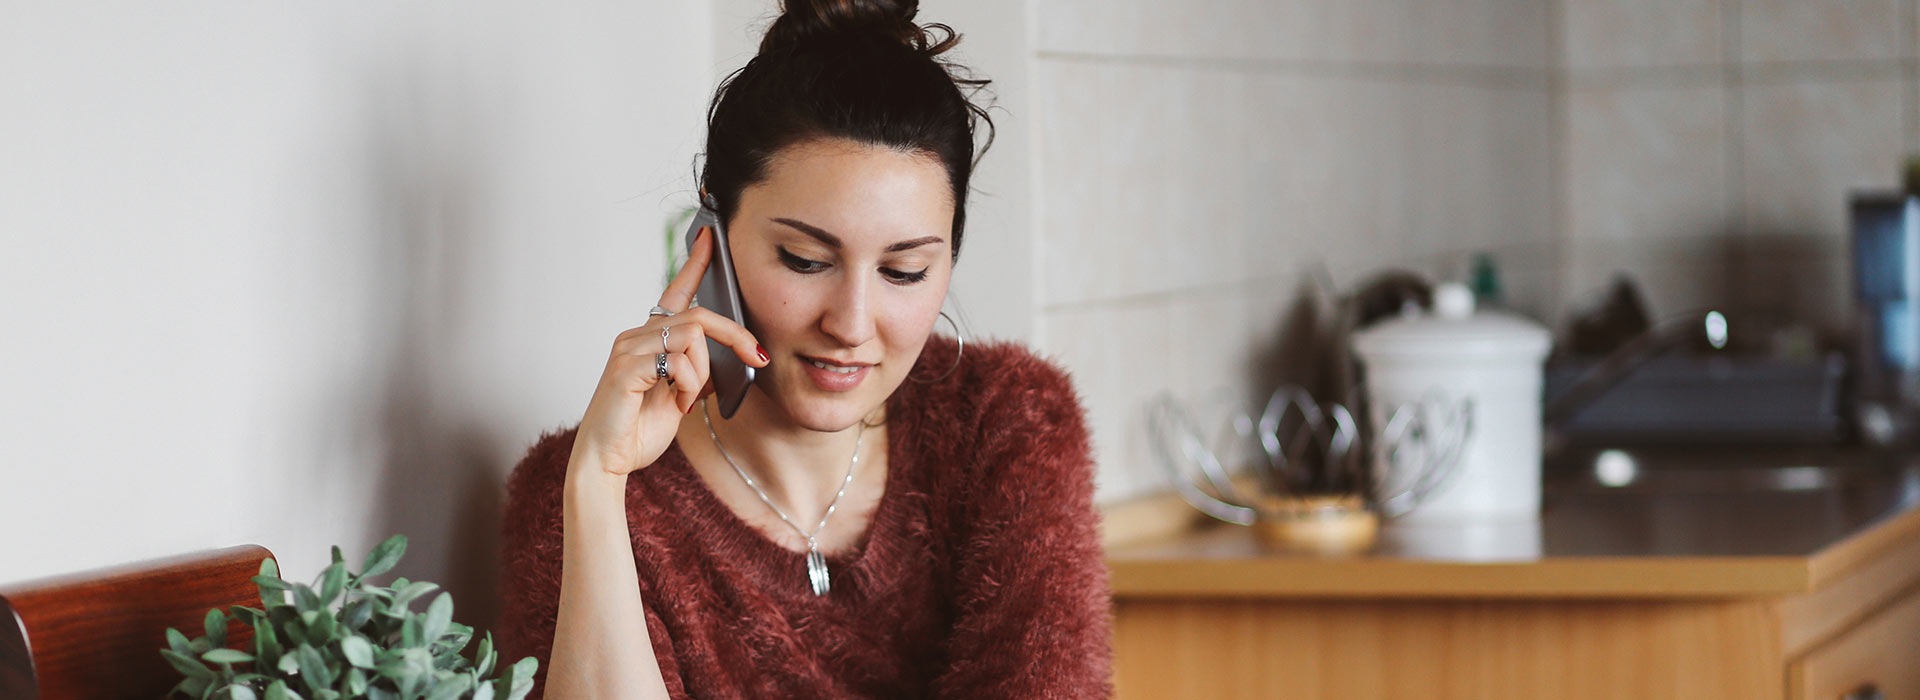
1782	278
437	480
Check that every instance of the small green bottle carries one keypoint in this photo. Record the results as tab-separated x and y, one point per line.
1485	281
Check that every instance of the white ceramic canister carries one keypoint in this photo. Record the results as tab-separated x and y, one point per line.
1492	357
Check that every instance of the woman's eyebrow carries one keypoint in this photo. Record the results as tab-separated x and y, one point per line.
834	241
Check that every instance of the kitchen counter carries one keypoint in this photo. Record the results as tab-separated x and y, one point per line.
1693	531
1704	577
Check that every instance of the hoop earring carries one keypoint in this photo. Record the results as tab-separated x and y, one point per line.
957	354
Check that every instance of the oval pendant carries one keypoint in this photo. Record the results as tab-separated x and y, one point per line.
817	572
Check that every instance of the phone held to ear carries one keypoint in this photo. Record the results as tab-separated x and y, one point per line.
720	291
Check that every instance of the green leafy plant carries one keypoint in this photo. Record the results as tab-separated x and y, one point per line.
343	638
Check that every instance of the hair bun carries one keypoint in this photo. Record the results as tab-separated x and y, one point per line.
802	21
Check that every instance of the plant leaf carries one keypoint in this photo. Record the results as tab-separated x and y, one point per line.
273	592
240	692
410	636
384	556
321	630
482	691
187	664
522	676
313	668
357	651
278	691
439	613
456	638
192	687
403	596
178	642
216	624
226	656
355	684
304	599
289	664
272	582
355	616
483	658
332	581
451	689
249	616
266	645
269	568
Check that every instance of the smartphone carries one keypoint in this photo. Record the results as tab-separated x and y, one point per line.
720	291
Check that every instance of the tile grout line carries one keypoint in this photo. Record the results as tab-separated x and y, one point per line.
1250	284
1559	166
1910	78
1481	74
1733	200
1755	71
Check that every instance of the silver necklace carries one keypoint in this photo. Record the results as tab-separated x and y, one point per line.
816	562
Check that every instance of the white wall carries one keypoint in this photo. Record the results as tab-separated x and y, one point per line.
307	276
303	275
1197	161
1710	148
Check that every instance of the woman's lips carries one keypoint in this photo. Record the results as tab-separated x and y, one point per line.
829	380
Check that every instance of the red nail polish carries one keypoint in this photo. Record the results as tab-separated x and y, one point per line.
762	351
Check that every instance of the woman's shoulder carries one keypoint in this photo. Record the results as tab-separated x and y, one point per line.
996	382
1009	374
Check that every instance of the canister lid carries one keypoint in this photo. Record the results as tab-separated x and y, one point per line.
1454	331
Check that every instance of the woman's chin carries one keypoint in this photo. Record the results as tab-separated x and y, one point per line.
821	410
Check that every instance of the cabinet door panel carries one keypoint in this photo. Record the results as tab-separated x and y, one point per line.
1881	654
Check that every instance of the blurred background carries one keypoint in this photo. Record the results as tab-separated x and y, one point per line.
315	274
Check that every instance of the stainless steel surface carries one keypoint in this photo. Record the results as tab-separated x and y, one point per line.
1678	503
1718	502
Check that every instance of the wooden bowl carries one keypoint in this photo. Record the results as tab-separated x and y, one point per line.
1321	524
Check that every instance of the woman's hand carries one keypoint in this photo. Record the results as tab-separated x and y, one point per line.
635	412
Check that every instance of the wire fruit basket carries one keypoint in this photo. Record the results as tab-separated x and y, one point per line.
1305	473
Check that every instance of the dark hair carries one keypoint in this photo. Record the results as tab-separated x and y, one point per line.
860	70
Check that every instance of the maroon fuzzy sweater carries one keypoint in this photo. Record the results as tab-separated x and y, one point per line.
980	575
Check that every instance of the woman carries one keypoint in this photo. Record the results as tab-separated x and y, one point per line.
659	550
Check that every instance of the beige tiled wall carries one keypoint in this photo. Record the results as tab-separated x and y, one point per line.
1194	161
1709	146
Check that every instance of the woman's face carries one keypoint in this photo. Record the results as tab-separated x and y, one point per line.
843	255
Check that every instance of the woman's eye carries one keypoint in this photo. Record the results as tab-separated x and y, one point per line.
800	264
900	277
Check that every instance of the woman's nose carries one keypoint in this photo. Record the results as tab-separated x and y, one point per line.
846	317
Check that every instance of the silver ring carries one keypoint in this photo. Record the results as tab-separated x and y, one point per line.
664	330
658	311
660	365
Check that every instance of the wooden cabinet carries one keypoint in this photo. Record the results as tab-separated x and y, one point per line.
1880	655
1209	614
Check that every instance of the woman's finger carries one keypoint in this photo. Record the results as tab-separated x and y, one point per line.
679	294
725	330
682	336
633	372
697	351
686	380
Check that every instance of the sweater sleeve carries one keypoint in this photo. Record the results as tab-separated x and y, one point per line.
532	544
1032	612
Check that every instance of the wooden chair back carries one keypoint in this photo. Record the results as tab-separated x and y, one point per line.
97	635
